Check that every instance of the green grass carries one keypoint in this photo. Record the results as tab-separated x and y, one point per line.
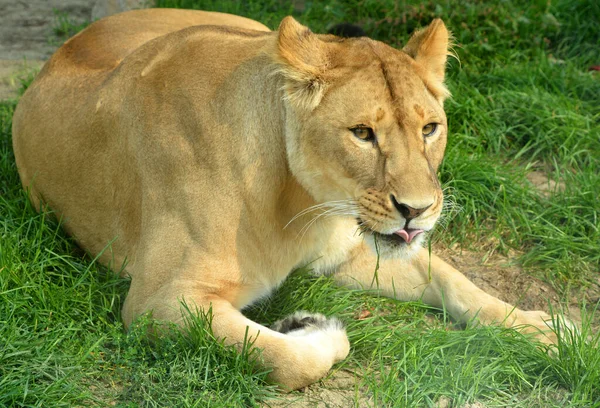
523	99
65	26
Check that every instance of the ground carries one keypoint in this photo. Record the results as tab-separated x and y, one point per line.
30	32
27	37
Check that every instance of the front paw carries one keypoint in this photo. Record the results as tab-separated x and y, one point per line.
543	326
313	344
327	332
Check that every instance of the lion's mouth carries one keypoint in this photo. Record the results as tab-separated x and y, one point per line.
403	236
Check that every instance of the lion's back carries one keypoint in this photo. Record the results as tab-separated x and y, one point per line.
104	44
68	136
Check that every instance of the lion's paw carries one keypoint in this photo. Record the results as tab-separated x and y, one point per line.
314	343
544	326
302	323
327	334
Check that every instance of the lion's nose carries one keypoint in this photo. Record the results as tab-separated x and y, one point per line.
407	211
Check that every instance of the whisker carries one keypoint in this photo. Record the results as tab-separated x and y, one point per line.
450	208
329	209
334	203
312	222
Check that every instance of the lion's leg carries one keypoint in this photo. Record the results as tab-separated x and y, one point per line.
300	349
428	278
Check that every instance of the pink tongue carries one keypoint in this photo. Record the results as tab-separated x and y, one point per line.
409	234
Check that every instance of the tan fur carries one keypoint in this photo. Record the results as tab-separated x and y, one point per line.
193	151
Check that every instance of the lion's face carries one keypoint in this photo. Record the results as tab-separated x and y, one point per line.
372	143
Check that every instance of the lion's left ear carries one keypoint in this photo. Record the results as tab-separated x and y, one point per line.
429	47
303	60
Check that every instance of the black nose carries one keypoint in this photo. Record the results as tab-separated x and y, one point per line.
407	211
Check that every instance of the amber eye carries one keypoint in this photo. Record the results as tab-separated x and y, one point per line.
429	129
364	133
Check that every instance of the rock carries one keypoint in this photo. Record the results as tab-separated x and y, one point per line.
104	8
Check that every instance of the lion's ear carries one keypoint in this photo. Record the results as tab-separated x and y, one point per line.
303	59
429	47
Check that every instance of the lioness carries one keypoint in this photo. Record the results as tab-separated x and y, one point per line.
215	159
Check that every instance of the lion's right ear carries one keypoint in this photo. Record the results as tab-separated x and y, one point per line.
303	60
430	48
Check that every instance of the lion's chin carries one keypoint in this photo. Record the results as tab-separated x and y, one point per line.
391	246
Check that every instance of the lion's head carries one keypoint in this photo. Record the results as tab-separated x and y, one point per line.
366	128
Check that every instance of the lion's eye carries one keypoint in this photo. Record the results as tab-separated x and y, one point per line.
429	129
364	133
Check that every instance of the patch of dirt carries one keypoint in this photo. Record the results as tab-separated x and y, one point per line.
446	402
27	36
26	31
338	390
544	184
